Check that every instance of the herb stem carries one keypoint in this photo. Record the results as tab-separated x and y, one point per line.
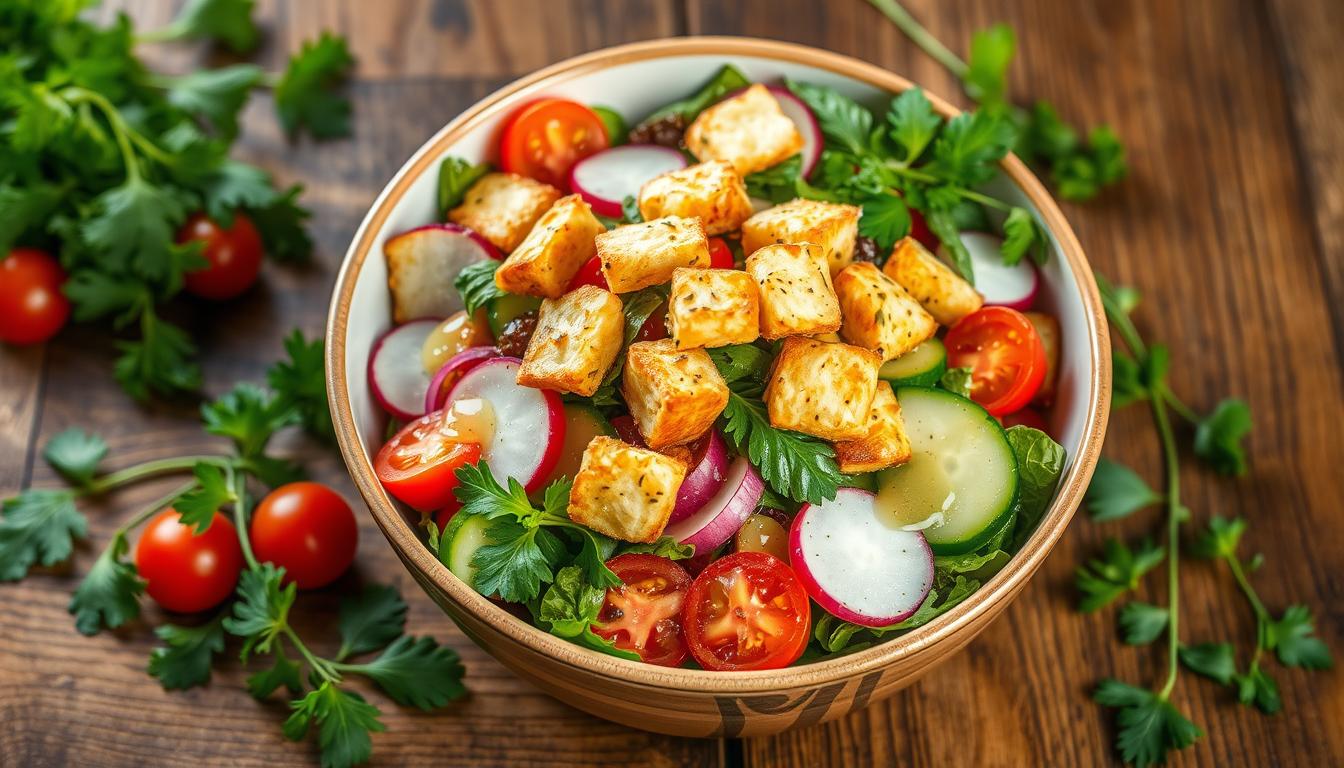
1181	409
1174	513
238	482
921	36
325	669
149	469
124	133
1125	327
152	508
901	169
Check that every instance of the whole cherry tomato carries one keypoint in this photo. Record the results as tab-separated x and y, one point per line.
185	571
307	529
32	307
234	255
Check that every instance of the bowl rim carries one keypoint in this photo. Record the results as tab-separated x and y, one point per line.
985	601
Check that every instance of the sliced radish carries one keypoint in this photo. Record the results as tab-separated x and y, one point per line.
706	477
801	115
396	374
422	264
857	565
1013	287
610	176
436	396
719	518
529	423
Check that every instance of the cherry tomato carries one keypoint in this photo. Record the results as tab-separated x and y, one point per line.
544	140
1027	417
185	572
307	529
590	274
644	615
234	255
747	610
720	255
418	464
655	326
1004	353
32	307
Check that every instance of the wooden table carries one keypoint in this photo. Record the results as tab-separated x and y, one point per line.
1232	224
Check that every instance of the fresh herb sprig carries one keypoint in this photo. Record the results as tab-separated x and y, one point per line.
39	526
102	160
1079	169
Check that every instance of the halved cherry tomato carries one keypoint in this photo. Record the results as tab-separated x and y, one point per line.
544	140
644	614
307	529
720	255
1004	353
234	256
590	274
185	571
747	610
419	464
32	307
1027	417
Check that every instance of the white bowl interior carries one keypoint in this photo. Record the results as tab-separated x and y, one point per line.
636	89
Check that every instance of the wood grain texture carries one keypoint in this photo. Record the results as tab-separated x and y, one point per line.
1230	224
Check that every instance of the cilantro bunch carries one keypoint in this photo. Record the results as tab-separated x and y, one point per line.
102	160
1150	724
40	526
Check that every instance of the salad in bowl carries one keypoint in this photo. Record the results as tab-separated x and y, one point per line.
764	377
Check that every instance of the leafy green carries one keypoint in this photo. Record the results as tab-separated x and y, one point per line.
798	466
109	595
416	671
1142	623
665	546
218	95
344	721
517	562
968	150
455	177
1221	538
842	120
282	672
1292	638
371	619
1116	572
948	591
1256	688
630	210
306	98
725	81
247	415
1040	462
300	384
227	21
75	454
1219	437
640	306
778	183
476	283
1022	235
569	608
1149	725
1216	661
197	507
956	381
944	226
1116	491
261	612
912	123
183	661
986	75
886	220
737	362
38	527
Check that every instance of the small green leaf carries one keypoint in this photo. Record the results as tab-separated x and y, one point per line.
371	619
1116	491
957	381
228	21
1116	572
842	120
1219	437
197	507
300	383
476	283
1040	462
665	546
109	595
885	219
184	660
344	721
1292	638
216	94
1216	661
986	77
282	672
1141	623
912	123
1258	689
417	672
455	177
75	454
261	610
1149	726
1221	539
306	96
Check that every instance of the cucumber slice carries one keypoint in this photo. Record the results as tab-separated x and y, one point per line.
961	480
582	424
506	308
920	367
463	535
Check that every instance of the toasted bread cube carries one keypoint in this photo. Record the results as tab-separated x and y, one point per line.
822	389
421	267
502	207
636	256
560	242
1047	327
797	297
626	492
940	290
713	308
712	192
749	130
674	395
885	445
833	227
576	340
879	314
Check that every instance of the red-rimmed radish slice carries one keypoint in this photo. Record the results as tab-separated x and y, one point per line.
1014	287
719	518
396	374
794	109
857	565
610	176
422	264
529	423
452	371
706	477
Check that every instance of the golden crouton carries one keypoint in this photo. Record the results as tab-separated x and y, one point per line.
797	297
748	130
639	255
711	192
624	491
421	267
885	445
822	389
502	207
560	242
576	340
1047	327
879	314
674	395
713	308
831	226
940	290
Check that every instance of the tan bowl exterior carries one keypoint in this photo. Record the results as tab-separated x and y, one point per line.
687	702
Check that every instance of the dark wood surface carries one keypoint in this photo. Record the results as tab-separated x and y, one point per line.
1232	224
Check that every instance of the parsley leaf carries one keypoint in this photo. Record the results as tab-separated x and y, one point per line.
885	219
665	546
248	416
161	361
261	611
518	562
476	283
944	226
970	146
798	466
184	659
986	78
305	97
134	226
912	123
371	619
1257	688
216	95
956	381
1219	436
344	721
1221	539
197	507
842	119
740	361
1126	381
300	383
1141	623
1216	661
1116	491
38	527
228	21
75	454
455	177
481	494
778	183
630	210
1022	235
1119	569
281	672
1293	640
1150	726
570	604
280	223
417	672
110	594
640	306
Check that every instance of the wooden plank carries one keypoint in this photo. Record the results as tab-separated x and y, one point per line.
66	699
1214	227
